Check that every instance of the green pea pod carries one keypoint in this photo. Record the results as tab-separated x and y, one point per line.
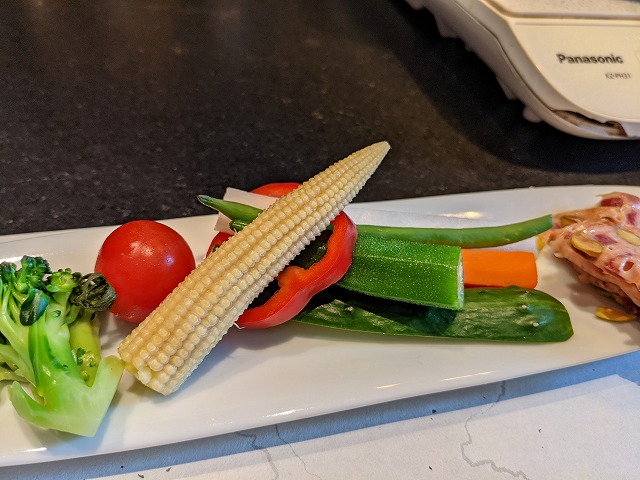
509	314
468	237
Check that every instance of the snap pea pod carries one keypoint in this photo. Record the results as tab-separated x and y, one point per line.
469	237
509	314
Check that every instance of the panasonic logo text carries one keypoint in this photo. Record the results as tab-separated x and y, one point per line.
589	59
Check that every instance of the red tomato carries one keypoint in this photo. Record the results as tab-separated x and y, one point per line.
144	261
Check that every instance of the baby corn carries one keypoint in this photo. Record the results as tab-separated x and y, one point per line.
167	347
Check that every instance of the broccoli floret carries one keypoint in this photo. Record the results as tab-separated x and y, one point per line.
49	341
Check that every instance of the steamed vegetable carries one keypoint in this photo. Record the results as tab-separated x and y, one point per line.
511	314
412	272
499	268
468	237
49	340
389	275
166	347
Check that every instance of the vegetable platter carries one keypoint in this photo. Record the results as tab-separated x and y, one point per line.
297	370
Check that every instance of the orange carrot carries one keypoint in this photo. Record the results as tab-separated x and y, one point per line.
499	268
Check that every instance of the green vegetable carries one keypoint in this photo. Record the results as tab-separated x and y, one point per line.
412	272
510	314
472	237
49	336
84	338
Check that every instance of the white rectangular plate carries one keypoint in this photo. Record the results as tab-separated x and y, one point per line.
256	378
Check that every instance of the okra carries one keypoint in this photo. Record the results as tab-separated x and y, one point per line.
418	273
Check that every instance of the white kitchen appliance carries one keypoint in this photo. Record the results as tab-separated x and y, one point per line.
574	64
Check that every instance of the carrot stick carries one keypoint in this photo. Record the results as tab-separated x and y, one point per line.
499	268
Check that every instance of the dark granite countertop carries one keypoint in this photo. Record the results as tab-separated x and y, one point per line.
114	110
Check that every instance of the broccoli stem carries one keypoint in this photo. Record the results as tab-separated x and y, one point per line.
15	353
65	401
9	374
12	365
85	343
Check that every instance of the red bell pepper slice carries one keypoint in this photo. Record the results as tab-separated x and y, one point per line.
298	285
276	189
218	239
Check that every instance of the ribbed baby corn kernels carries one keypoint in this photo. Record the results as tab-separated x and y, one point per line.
165	349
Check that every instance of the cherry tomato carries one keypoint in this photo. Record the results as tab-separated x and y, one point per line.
144	261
